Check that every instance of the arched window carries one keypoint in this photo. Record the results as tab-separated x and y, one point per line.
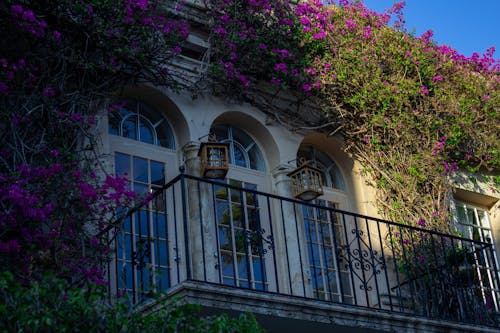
331	173
137	121
243	151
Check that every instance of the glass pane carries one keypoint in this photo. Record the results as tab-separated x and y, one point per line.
222	213
157	173
160	225
129	129
141	189
126	225
128	247
146	132
227	264
332	281
225	238
122	164
220	192
128	275
164	135
141	222
239	157
256	159
140	169
120	246
329	258
235	195
257	269
162	253
237	213
239	240
242	267
253	219
164	280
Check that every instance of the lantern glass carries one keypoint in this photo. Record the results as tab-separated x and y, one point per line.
214	159
306	183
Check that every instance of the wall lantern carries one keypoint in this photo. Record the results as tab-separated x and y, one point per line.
306	182
214	159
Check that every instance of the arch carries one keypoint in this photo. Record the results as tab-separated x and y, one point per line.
163	104
139	121
332	177
256	130
332	148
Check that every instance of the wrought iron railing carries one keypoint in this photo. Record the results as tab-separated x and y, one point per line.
231	234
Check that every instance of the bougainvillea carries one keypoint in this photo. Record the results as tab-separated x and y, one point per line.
412	112
60	61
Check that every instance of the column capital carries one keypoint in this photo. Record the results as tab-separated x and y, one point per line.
281	170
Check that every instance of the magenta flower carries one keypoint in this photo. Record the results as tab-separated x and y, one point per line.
320	35
421	222
4	89
424	90
281	67
437	78
367	32
350	24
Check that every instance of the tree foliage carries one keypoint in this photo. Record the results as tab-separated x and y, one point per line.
49	305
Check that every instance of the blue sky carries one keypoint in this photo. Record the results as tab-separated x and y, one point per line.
466	25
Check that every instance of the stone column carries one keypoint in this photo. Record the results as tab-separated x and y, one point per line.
201	220
293	274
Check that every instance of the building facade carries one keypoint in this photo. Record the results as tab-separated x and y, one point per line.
244	243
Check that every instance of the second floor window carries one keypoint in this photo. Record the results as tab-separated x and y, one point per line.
243	151
329	170
137	121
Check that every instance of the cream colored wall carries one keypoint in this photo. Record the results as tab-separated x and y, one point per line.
192	119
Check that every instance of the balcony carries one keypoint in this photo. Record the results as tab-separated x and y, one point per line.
300	265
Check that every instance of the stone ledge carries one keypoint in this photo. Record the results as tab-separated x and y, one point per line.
278	313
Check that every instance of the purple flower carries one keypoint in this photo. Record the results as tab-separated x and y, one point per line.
281	67
421	222
437	78
320	35
57	35
424	90
220	31
4	89
17	9
29	16
367	32
350	24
